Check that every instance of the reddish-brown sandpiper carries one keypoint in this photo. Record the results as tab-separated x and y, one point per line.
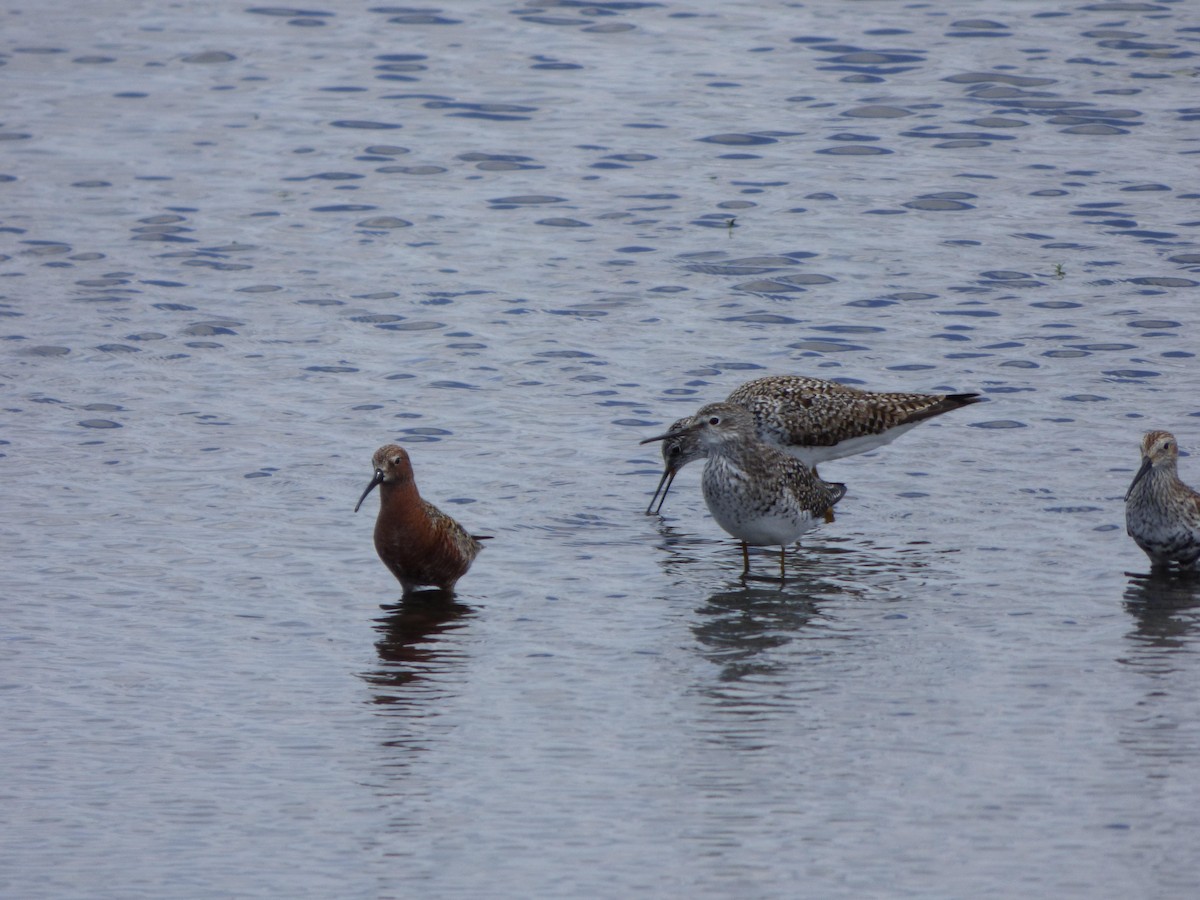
419	543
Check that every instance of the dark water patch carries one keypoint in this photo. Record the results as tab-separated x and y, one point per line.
854	150
960	137
768	287
1065	354
738	139
1095	129
1163	281
563	223
495	112
406	16
100	423
344	207
544	63
761	318
260	289
454	385
1132	374
715	220
524	200
376	318
979	28
384	223
972	313
325	176
118	348
339	369
947	201
365	124
869	62
288	12
877	112
998	424
411	326
1056	304
46	350
806	279
208	57
564	354
816	345
212	328
386	150
489	162
1086	398
998	122
741	267
850	329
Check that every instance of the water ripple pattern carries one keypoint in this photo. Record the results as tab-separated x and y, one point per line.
242	246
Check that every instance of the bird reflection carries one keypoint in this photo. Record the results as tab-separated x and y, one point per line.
411	646
1165	605
735	629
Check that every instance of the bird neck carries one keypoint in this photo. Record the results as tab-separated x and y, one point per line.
400	494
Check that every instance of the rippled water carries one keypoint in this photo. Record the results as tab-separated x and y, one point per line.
242	247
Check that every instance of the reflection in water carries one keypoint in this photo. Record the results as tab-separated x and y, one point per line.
1160	723
1164	606
735	629
411	648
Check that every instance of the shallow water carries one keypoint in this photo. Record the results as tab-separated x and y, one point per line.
242	248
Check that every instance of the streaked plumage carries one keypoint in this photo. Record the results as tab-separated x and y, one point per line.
755	491
1162	514
813	420
419	543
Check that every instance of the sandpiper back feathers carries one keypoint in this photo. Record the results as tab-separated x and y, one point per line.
1162	514
814	420
419	543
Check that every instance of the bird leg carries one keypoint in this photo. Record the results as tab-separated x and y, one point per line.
745	559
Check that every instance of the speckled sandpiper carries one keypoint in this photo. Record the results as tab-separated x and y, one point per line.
1162	514
812	420
419	543
754	490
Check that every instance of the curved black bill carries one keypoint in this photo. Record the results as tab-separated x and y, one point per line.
370	487
1141	473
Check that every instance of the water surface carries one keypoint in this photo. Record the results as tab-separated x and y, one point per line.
243	247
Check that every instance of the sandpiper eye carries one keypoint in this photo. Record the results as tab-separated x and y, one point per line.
715	420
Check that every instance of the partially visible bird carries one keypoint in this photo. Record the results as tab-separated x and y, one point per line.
755	491
813	420
1162	514
419	543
